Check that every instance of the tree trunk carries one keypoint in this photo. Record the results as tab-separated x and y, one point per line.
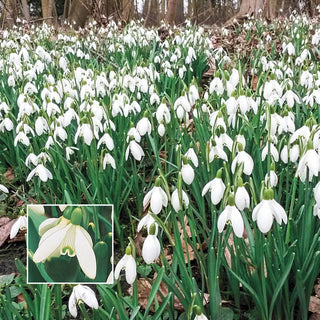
25	9
48	11
79	12
127	10
66	9
171	12
10	9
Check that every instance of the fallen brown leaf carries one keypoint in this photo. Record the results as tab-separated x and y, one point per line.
314	305
317	288
9	174
5	228
144	289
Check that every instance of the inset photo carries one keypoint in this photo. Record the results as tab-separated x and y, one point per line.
70	244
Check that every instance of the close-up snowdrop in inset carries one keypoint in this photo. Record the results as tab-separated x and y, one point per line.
61	236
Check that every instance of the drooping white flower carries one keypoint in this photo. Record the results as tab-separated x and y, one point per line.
144	126
67	237
273	152
231	213
157	197
127	263
161	130
191	155
271	179
187	173
108	159
20	224
242	198
175	201
146	221
4	188
267	210
86	132
216	85
316	192
151	246
81	293
216	188
107	140
40	170
70	151
310	160
243	158
135	149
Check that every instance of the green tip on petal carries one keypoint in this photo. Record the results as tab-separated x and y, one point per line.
76	216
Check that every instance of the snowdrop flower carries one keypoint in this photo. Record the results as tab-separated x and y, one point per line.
127	263
288	48
144	126
273	152
7	124
216	188
4	188
163	113
182	107
243	158
20	224
70	151
216	85
22	138
161	130
267	210
291	98
108	159
310	160
231	213
135	149
193	94
216	151
107	140
61	236
146	221
40	170
41	126
199	314
303	133
242	198
175	201
157	197
187	172
82	294
316	192
151	246
86	132
191	155
271	179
